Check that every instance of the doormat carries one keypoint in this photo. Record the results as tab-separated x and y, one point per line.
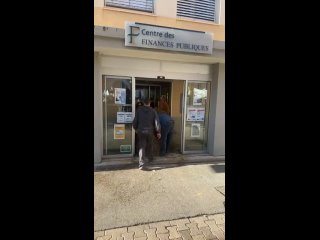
221	189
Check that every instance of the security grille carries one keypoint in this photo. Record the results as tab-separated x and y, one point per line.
141	5
198	9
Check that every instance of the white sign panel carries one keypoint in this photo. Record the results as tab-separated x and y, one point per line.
151	36
195	130
200	114
124	117
128	117
191	114
120	117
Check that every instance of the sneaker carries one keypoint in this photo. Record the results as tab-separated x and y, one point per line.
141	168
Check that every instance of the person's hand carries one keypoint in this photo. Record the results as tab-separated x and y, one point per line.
158	136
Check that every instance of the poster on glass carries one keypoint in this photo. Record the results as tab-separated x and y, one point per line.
120	95
200	114
195	130
191	114
128	117
119	131
121	117
198	96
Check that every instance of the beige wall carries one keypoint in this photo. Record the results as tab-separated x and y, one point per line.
216	128
99	3
177	91
97	110
219	132
166	8
116	18
222	12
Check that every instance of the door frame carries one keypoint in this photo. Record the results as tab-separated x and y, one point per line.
154	84
183	112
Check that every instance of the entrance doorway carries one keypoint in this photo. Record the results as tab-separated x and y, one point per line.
188	103
154	89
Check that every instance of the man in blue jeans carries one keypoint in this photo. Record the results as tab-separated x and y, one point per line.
166	123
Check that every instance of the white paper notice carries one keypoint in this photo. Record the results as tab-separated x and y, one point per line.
200	114
128	117
121	117
191	114
195	130
198	96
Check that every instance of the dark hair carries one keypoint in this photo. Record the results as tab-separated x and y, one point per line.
139	104
163	97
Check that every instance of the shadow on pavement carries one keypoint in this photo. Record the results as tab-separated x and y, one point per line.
218	168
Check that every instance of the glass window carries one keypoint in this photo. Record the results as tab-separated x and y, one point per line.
141	5
196	117
117	115
197	9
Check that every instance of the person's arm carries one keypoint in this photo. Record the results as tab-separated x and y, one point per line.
168	109
157	124
135	121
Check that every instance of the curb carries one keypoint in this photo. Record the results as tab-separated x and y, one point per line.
128	163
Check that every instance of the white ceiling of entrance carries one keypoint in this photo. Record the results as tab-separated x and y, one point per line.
158	55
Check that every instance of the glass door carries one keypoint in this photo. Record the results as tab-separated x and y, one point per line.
151	91
117	116
196	117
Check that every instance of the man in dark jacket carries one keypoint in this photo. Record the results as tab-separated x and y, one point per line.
146	123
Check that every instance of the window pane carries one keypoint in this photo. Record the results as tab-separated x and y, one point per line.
196	117
117	123
142	5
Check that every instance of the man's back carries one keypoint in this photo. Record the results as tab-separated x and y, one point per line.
146	120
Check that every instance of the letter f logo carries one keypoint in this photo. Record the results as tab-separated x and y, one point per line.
131	32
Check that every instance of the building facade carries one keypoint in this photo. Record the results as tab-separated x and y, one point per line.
150	48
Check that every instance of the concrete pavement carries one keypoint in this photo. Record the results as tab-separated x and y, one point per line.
157	200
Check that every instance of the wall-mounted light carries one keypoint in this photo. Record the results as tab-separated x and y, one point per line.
161	77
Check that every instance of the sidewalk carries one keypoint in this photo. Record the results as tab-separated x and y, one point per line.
205	227
167	201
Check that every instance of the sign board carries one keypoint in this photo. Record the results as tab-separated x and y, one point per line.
158	37
195	130
119	131
125	148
